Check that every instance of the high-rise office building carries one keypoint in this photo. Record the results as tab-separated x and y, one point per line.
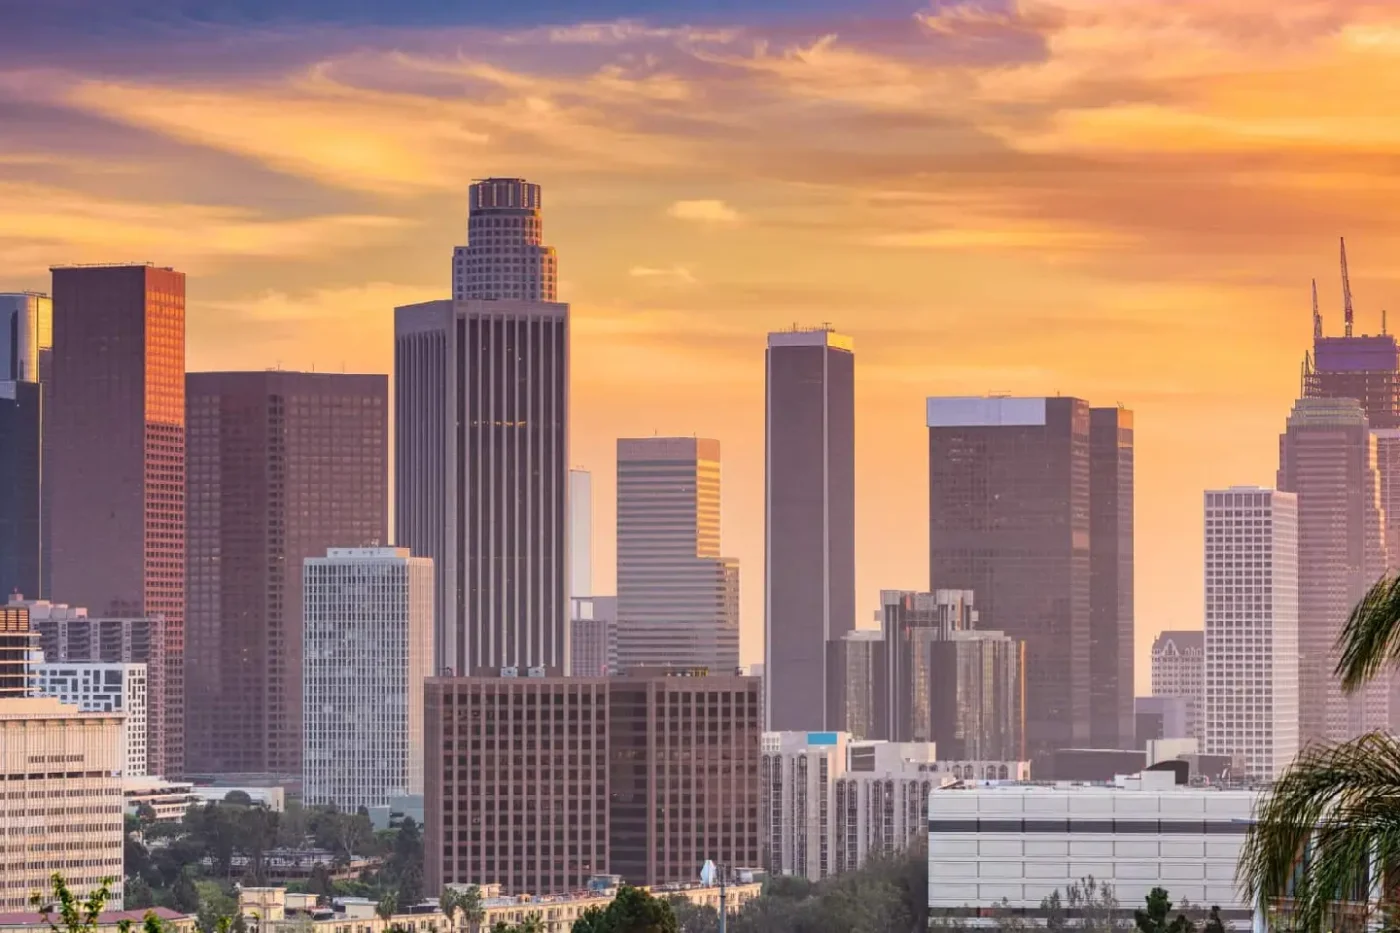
1252	696
580	533
1110	578
22	493
645	776
481	453
593	636
809	548
857	670
677	598
1179	670
26	356
1012	506
505	255
797	773
368	650
281	466
481	475
1327	457
949	682
97	687
116	439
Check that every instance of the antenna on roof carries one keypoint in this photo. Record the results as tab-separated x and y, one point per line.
1317	315
1346	288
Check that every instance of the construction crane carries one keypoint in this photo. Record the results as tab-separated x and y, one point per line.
1317	315
1346	288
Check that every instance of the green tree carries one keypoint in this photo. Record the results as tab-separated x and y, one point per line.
1331	816
1214	924
238	798
631	911
75	914
137	894
388	906
472	907
533	923
218	910
692	917
184	895
1154	917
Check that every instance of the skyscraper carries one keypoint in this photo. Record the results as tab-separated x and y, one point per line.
809	550
282	466
857	671
1179	670
117	449
580	533
481	453
1111	723
677	598
1009	519
22	494
505	255
26	356
1252	700
1327	457
368	651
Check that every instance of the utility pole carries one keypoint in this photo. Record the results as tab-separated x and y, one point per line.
723	906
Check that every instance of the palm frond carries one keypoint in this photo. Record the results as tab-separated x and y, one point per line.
1341	805
1370	640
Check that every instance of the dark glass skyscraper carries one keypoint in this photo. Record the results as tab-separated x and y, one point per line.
1011	513
810	543
26	359
117	446
1111	721
481	455
282	466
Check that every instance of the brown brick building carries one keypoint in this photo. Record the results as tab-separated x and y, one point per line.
539	783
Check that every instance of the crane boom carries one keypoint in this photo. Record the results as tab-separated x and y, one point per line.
1317	315
1346	288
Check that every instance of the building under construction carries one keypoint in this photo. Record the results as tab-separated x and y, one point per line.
1364	367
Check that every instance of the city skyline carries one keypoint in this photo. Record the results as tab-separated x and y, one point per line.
294	251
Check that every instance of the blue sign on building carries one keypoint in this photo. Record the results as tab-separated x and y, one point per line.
821	738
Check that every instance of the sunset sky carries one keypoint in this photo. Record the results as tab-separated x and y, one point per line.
1122	200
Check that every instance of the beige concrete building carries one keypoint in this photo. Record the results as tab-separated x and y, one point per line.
62	807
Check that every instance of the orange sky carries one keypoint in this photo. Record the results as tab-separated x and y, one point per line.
1122	200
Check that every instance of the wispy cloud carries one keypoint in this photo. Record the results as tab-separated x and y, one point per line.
704	211
679	274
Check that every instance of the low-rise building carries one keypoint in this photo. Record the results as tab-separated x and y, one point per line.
274	798
167	799
1010	846
104	687
109	921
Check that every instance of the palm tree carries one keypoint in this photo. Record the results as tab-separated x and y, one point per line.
388	905
533	923
447	903
473	910
1333	816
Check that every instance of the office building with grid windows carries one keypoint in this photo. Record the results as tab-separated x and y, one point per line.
367	651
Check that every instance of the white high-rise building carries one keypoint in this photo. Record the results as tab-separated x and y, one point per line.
580	533
1251	630
1179	670
95	687
677	598
367	650
505	255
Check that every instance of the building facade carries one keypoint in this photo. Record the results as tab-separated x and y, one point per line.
798	771
367	651
1009	846
809	549
116	443
505	256
281	466
677	597
593	640
26	355
1327	457
65	815
481	398
1011	513
17	642
95	687
22	493
1252	695
544	782
1111	577
857	671
1179	670
580	533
